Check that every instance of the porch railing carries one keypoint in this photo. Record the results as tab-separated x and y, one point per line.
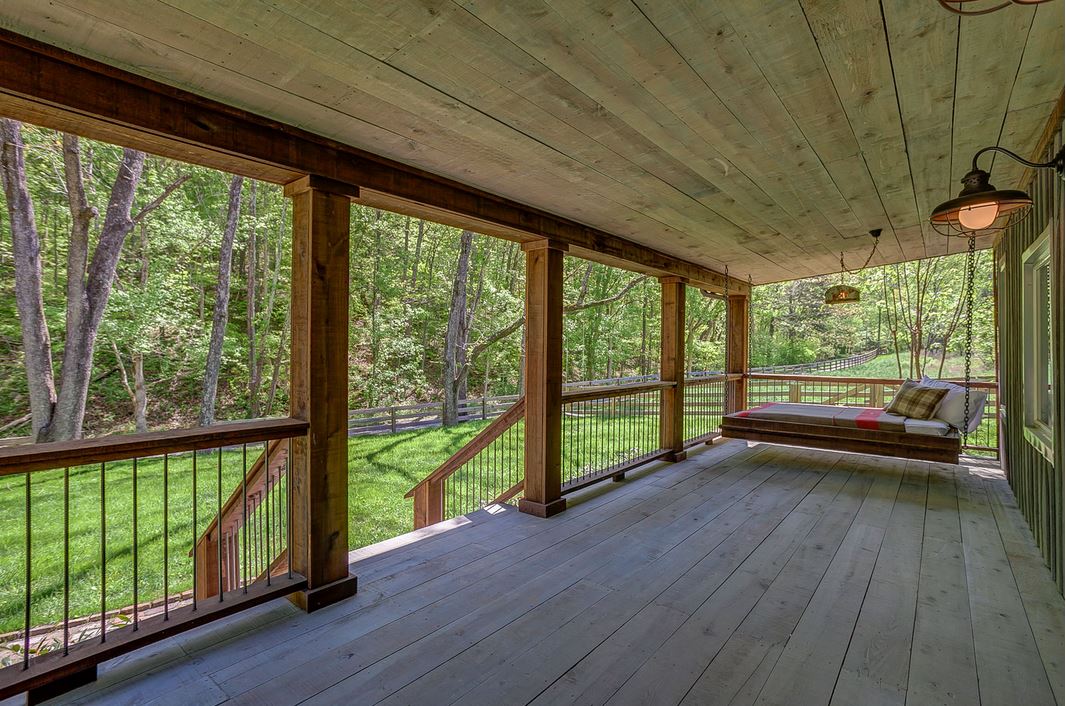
864	392
98	540
606	431
705	398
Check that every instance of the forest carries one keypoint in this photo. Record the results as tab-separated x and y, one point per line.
140	293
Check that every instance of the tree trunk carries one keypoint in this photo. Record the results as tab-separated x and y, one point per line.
29	299
453	338
218	322
275	375
140	393
251	259
418	254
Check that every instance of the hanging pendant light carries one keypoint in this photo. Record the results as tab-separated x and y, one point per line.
981	208
845	293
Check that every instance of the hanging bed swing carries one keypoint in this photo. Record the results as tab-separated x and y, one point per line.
926	420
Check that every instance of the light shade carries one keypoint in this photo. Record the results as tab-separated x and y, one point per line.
980	208
841	294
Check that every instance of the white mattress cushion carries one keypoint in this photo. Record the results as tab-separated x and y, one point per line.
952	407
928	427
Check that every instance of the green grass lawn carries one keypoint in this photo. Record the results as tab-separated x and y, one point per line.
381	470
884	366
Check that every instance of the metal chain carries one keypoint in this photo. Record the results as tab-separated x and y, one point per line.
725	334
751	321
971	265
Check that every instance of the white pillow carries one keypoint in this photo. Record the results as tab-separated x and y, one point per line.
952	407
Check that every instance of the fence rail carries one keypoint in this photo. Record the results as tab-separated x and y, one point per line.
390	419
108	527
822	365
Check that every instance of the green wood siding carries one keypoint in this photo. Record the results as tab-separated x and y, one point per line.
1037	482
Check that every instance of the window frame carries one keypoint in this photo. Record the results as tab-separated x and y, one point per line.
1038	381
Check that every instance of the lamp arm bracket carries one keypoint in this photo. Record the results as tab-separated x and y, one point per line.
1055	163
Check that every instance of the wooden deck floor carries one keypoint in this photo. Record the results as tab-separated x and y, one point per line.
744	575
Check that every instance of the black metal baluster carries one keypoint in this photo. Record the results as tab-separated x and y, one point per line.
66	560
218	527
166	537
244	513
195	536
29	586
288	511
267	499
136	612
103	555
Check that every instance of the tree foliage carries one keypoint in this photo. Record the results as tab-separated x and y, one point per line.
153	345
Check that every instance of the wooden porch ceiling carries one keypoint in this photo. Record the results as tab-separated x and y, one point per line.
763	135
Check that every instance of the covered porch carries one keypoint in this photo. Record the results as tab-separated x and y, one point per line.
744	574
710	146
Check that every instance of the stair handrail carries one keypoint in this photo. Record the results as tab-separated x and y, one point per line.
486	436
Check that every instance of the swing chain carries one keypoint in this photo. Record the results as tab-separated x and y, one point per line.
725	293
971	265
751	322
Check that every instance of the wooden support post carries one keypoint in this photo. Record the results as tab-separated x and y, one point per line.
544	378
737	340
429	504
672	368
319	389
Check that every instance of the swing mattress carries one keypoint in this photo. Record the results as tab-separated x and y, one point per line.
857	429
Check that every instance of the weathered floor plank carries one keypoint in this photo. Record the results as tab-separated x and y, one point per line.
744	575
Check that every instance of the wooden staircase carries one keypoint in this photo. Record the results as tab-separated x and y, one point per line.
218	548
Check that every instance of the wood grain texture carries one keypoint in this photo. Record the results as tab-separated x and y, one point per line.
740	575
820	436
738	342
1037	481
544	378
319	381
767	136
37	457
672	366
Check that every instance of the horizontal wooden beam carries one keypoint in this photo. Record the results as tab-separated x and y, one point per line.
48	86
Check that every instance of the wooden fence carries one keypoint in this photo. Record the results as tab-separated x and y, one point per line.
389	420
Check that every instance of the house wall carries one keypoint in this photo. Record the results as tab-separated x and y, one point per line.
1036	480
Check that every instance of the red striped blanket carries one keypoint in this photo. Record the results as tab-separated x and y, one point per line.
827	415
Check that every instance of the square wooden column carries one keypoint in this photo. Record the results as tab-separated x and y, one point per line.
544	379
319	389
672	368
737	341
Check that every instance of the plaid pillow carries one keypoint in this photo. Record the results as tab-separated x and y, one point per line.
915	401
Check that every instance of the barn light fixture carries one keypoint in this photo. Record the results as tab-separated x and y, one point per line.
845	293
981	7
981	208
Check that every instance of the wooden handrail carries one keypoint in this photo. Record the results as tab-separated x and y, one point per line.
603	393
980	385
485	437
63	454
708	379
